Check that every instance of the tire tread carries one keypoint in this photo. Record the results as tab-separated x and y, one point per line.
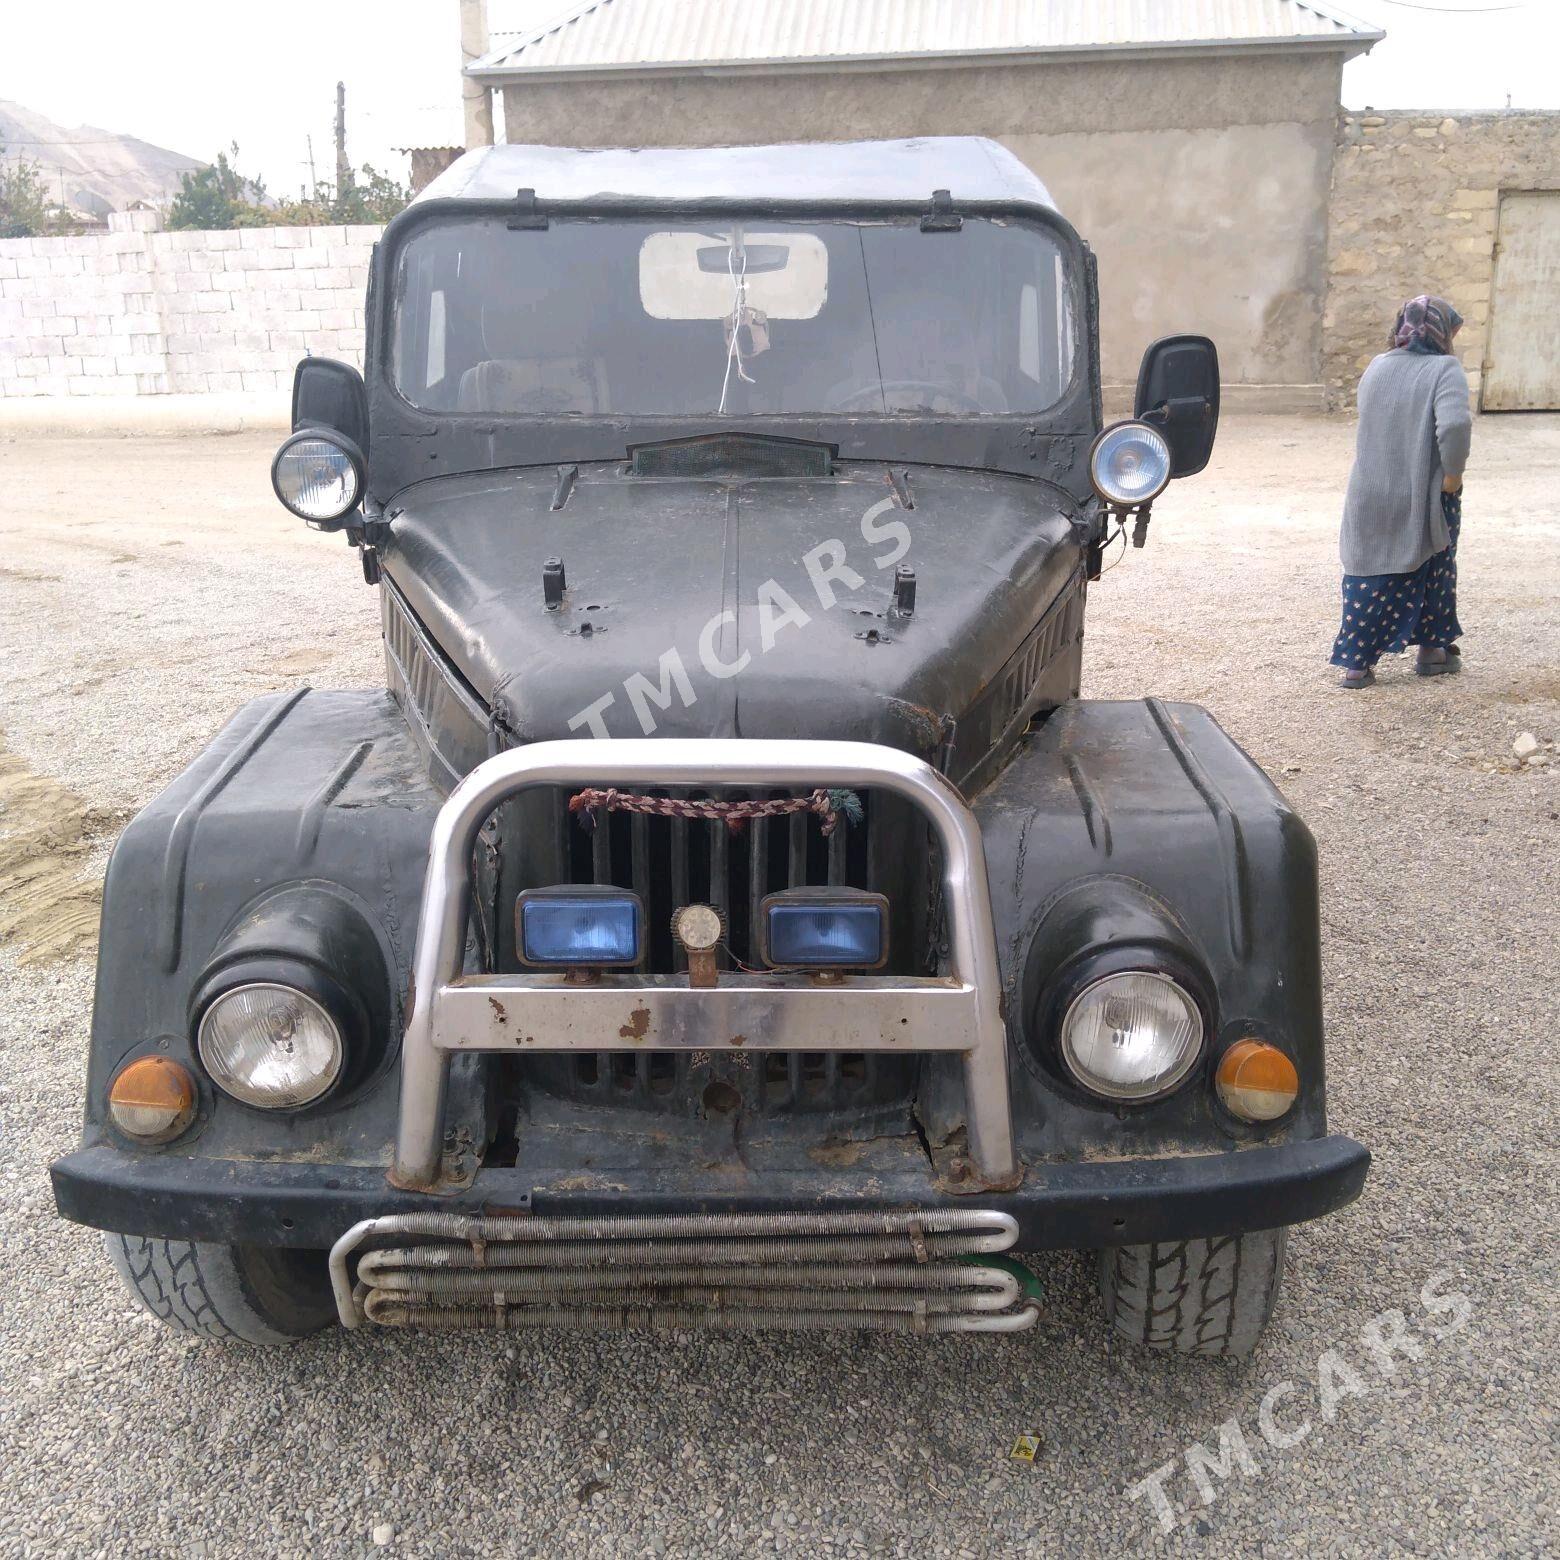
1208	1296
166	1275
201	1290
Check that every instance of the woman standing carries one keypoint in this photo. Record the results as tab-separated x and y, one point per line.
1404	504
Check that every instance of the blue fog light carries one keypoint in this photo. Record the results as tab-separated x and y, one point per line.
819	931
561	926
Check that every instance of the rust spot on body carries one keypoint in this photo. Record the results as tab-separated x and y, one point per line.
738	1040
586	1181
638	1025
837	1156
500	1013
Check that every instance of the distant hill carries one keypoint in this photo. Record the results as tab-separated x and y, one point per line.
99	171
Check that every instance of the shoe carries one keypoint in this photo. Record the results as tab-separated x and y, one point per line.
1354	680
1437	663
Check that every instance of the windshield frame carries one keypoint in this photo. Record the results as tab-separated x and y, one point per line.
487	236
410	443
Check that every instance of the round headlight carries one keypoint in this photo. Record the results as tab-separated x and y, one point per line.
1132	1036
1130	464
318	474
270	1046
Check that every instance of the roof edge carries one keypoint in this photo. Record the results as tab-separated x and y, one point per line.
900	173
490	71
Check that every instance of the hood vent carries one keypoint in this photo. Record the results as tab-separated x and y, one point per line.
732	455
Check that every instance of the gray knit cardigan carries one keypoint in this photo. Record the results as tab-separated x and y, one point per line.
1414	429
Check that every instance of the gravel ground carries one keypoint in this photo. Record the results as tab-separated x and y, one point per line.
148	586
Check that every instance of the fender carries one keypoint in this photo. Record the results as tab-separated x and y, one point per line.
1143	822
307	807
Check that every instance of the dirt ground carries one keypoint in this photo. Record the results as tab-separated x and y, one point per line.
148	586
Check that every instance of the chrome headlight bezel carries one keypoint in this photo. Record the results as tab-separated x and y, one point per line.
293	450
1116	441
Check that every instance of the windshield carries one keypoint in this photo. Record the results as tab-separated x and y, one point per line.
600	318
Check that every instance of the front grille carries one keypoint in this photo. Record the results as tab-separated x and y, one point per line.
671	862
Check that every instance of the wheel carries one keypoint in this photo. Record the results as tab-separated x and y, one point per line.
257	1294
1195	1296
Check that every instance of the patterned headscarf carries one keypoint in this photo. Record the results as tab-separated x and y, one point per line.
1425	324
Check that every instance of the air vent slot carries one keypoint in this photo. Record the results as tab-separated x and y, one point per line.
732	455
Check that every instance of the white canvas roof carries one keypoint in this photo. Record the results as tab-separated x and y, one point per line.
973	168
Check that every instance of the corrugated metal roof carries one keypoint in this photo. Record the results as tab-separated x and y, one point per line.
621	35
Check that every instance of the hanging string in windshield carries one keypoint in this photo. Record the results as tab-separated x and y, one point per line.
734	324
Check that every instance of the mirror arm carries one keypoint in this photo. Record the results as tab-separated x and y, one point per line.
1185	409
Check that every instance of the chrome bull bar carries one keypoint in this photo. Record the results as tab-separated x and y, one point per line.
448	1011
861	1270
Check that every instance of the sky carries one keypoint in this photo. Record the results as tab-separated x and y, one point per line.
195	76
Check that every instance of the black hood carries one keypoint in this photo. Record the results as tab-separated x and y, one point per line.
653	562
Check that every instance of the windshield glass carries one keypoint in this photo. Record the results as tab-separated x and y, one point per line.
675	318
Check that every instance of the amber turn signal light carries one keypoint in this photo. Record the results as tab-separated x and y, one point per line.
152	1099
1256	1081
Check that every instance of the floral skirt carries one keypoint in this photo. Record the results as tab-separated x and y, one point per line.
1383	614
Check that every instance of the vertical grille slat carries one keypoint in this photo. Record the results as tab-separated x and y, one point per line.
719	891
679	835
758	880
639	872
565	832
796	871
601	849
875	862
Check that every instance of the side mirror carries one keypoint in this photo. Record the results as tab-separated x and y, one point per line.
328	394
1178	393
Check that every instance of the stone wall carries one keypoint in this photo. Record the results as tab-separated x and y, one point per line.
139	312
1415	198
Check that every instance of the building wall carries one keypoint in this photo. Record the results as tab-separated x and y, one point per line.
1201	182
1200	225
1414	204
138	312
428	162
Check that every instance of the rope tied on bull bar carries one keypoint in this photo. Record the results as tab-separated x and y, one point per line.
830	805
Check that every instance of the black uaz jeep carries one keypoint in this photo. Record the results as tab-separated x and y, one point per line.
863	952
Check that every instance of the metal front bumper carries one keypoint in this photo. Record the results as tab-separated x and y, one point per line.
1058	1206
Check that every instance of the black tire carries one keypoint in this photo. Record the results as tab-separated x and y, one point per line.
256	1294
1210	1297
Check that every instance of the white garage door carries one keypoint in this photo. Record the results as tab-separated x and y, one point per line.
1522	364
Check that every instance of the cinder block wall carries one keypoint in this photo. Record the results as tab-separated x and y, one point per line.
135	312
1415	197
